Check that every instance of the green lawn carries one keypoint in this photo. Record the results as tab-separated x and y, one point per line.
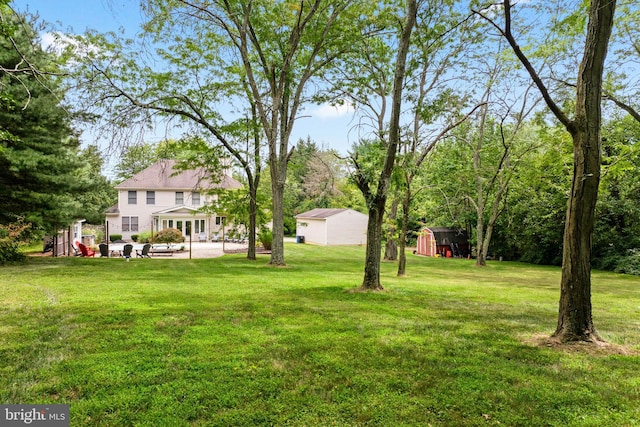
228	342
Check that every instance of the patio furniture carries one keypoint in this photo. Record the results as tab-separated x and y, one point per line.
144	253
163	249
86	252
104	250
126	251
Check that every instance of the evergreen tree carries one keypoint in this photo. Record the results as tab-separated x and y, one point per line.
38	148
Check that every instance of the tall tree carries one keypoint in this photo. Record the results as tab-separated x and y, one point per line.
575	321
439	45
443	42
221	59
377	199
39	163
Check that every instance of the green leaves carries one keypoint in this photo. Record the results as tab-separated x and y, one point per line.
40	168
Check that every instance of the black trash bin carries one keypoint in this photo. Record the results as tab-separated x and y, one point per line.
299	239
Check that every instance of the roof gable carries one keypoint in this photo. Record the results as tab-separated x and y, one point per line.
177	209
320	213
161	175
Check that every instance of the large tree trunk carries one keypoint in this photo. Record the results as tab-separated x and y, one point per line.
481	256
254	182
574	318
277	189
575	322
402	260
371	279
486	232
253	210
391	247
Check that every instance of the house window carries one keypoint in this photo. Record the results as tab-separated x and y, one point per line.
129	223
179	198
133	197
151	197
195	198
219	220
199	226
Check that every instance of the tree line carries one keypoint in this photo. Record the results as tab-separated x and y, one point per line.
474	88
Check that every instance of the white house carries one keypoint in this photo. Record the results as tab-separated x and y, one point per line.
332	227
160	197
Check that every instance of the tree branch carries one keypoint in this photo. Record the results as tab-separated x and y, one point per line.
626	107
508	35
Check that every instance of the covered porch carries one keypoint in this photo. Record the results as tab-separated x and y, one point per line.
193	224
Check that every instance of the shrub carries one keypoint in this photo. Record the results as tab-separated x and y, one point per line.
266	238
114	237
144	237
96	230
11	238
629	264
169	235
134	237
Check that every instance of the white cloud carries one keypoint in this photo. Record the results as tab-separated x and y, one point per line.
328	111
56	42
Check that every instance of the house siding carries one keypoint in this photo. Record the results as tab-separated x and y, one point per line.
313	230
347	228
336	227
159	179
145	212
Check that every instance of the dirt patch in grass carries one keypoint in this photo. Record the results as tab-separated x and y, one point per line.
597	348
39	254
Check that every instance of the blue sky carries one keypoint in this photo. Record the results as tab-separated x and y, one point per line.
327	126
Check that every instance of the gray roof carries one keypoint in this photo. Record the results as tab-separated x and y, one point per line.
113	210
446	235
320	213
161	176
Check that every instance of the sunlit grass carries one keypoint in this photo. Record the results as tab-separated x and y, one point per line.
227	342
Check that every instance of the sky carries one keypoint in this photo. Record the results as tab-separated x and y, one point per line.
326	125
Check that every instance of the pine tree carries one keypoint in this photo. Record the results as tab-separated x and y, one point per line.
38	147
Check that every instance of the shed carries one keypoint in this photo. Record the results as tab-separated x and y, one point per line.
443	241
332	227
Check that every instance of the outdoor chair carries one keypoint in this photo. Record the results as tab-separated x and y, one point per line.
104	249
144	253
126	252
76	251
48	246
86	252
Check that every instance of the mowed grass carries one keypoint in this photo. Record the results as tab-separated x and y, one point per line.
229	342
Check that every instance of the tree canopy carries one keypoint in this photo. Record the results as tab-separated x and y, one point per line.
40	165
